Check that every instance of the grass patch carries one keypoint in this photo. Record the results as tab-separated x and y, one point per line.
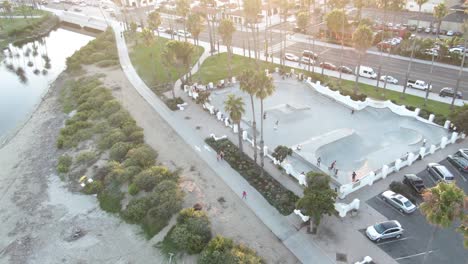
215	68
276	194
149	64
26	11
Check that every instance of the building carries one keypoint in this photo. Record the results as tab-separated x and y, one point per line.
452	22
138	3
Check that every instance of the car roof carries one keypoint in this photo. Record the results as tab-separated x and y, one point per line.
390	224
413	177
443	170
460	159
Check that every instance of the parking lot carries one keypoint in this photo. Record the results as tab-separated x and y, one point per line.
447	246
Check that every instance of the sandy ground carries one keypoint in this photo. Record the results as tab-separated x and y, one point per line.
39	214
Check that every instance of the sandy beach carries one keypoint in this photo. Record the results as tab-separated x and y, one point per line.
40	213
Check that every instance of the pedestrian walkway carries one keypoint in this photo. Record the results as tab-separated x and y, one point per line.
298	243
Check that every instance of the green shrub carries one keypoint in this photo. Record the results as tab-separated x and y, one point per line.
133	189
143	156
110	198
173	102
277	195
192	236
64	163
85	157
107	63
110	107
137	209
110	138
119	150
93	187
120	118
223	250
137	137
147	179
167	199
60	142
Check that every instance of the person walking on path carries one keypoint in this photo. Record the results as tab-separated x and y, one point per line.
336	172
218	156
424	143
276	125
244	195
319	159
332	166
354	176
221	155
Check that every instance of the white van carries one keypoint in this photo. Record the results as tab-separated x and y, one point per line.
366	72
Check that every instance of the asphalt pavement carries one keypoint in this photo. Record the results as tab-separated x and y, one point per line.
447	246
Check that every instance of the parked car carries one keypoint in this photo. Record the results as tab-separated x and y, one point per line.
183	33
448	91
344	69
298	30
307	61
419	29
384	230
414	182
434	31
463	152
384	45
432	52
310	54
427	30
412	28
440	172
328	66
390	79
366	72
161	29
418	84
450	33
399	202
291	57
366	260
443	32
459	162
457	50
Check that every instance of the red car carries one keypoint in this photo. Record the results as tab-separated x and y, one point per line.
328	66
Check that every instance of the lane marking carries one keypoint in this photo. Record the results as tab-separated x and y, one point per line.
396	240
415	255
324	51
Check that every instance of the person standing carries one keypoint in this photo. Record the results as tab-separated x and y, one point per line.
354	176
276	125
319	160
244	195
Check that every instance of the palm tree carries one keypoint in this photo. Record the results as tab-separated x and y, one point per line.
265	88
336	21
359	4
362	39
183	9
195	26
285	6
420	3
179	55
235	107
440	12
443	204
251	10
462	64
226	29
205	4
154	21
249	86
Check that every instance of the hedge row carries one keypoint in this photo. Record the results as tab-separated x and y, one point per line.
281	198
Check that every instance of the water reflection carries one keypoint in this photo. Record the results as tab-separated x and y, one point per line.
27	70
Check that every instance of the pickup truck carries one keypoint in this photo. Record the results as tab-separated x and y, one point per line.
418	84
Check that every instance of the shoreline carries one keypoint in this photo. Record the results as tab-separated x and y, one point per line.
10	134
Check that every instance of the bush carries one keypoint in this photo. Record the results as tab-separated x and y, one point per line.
277	195
110	198
405	190
109	139
119	150
133	189
173	102
147	179
223	250
93	187
192	232
107	63
64	163
85	157
120	118
136	209
143	156
281	152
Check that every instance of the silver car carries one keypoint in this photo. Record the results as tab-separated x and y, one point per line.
440	172
384	230
399	202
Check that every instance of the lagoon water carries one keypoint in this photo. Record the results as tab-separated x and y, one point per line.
26	73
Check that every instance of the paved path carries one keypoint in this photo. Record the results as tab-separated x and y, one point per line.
20	16
299	243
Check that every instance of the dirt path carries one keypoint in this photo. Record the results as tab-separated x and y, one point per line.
230	218
39	216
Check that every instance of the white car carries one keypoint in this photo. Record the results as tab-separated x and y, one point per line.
399	202
384	230
458	50
390	79
366	260
307	61
161	29
291	57
463	152
450	33
183	33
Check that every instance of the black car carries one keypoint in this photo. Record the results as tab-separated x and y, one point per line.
447	91
344	69
459	162
414	182
298	30
169	31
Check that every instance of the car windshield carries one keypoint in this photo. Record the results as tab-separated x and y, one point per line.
379	228
408	204
418	182
449	178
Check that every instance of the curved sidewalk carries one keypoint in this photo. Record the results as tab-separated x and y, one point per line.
297	242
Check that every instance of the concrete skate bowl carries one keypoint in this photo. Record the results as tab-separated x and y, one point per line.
350	152
402	136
